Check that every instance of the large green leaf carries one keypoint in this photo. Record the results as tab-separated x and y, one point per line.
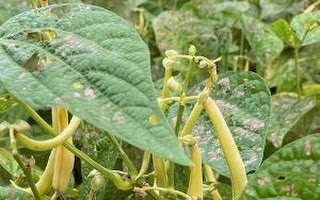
307	27
287	110
265	45
96	66
245	102
291	173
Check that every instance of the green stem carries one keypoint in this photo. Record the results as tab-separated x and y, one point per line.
167	190
192	119
144	165
129	164
296	64
186	83
180	115
212	180
165	89
229	147
50	143
26	167
177	99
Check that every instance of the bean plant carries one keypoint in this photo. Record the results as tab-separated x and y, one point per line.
83	116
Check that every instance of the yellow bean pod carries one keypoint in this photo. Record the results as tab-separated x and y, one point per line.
195	182
64	159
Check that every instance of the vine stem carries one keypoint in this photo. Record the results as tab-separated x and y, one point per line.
166	190
229	147
25	166
296	64
212	179
131	168
144	165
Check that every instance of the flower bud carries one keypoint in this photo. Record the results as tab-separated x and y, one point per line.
97	181
173	85
171	53
167	62
22	126
192	50
203	64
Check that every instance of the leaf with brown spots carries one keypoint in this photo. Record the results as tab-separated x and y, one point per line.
291	173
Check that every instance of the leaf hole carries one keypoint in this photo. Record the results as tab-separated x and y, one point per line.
281	178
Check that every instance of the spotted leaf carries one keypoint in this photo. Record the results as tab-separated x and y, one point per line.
92	62
291	173
245	102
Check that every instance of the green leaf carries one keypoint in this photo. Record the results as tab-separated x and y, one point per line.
211	7
12	193
264	44
96	66
284	31
307	27
10	111
9	163
178	30
245	102
291	173
275	9
281	73
287	110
